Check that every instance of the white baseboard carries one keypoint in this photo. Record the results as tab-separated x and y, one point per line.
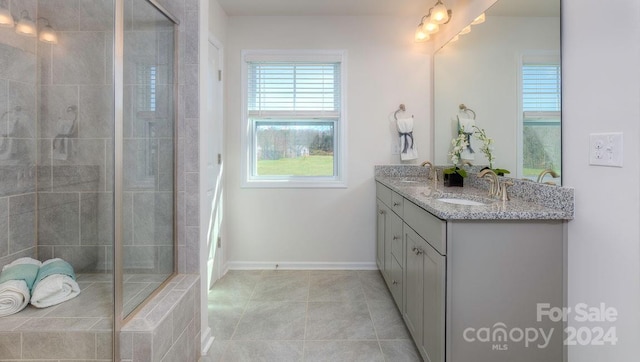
206	341
248	265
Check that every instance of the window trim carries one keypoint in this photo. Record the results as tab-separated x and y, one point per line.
247	139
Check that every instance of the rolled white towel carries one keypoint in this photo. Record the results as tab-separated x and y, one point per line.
14	297
16	280
55	284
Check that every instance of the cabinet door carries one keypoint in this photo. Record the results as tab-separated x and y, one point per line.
397	244
414	284
396	282
434	304
380	233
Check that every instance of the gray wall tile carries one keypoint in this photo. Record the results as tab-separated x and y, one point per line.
96	15
63	15
58	219
78	58
10	345
95	118
22	221
54	101
56	345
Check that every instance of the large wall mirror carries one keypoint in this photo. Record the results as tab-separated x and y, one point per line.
507	71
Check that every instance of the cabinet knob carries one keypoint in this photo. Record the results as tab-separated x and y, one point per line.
394	282
417	251
396	237
396	204
381	212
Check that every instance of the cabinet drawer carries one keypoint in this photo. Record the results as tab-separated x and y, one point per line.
396	203
429	227
383	193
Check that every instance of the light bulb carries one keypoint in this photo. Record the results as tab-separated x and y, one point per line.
479	20
431	28
26	26
465	30
439	13
6	20
48	35
421	35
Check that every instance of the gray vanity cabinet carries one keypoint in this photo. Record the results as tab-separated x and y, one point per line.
454	280
390	249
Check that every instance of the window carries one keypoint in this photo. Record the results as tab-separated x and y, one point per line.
541	116
295	121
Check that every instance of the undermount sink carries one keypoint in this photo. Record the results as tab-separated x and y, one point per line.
461	201
409	181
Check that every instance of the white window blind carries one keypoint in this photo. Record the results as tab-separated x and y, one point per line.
293	89
541	88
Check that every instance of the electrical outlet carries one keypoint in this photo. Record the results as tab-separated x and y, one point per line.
605	149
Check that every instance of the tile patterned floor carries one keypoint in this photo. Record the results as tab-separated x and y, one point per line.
306	316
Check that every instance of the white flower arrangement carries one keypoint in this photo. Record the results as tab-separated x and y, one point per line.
487	148
458	144
487	145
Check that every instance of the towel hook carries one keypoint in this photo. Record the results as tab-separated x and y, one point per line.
401	108
467	110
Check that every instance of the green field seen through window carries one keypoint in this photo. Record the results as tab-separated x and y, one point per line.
314	165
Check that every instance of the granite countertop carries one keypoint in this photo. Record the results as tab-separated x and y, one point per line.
528	201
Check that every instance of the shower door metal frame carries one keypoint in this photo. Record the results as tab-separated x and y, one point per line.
118	82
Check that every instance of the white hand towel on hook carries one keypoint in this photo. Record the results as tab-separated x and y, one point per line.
408	150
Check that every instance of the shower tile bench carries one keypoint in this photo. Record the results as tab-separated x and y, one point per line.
82	328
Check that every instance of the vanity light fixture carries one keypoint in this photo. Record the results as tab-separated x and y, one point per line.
479	20
430	23
421	35
26	26
6	19
440	13
47	34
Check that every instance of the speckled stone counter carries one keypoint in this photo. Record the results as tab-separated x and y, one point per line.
529	200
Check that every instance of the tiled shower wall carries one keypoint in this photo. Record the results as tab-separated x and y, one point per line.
75	189
75	169
17	141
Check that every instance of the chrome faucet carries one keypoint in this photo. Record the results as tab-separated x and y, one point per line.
545	172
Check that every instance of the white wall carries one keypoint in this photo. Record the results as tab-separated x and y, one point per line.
385	68
601	93
218	21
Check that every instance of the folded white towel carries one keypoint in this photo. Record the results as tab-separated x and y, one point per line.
15	293
55	284
408	149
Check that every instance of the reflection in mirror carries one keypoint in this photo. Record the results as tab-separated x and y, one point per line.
507	70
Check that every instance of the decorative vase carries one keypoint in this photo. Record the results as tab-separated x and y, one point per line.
453	179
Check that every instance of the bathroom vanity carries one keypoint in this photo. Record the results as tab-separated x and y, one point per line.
470	277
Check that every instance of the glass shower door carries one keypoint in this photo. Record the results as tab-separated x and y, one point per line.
148	152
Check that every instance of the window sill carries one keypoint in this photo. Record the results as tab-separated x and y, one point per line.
294	184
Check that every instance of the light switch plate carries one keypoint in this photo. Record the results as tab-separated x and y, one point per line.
605	149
